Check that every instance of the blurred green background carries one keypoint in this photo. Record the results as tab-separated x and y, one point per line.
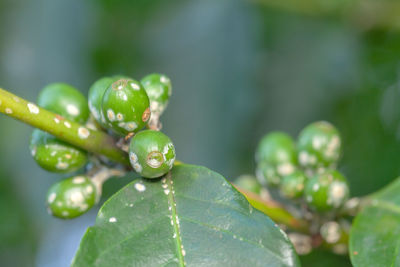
239	69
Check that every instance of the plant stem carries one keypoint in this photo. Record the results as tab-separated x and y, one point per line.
74	133
275	211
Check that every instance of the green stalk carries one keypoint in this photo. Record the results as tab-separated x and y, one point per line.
275	211
71	132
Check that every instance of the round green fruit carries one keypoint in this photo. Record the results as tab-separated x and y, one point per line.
319	147
267	174
158	88
151	153
54	155
71	197
95	97
292	185
278	148
64	100
326	191
249	183
125	105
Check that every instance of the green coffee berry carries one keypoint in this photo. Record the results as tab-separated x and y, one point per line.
55	155
292	185
249	183
71	197
95	97
64	100
319	147
158	88
151	153
326	191
267	174
125	106
278	149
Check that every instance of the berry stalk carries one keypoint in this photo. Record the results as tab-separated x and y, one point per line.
74	133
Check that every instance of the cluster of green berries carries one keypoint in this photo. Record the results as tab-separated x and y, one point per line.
118	105
306	170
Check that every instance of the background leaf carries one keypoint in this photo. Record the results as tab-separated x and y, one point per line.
192	217
374	238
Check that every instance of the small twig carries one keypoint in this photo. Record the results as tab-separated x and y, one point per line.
74	133
276	212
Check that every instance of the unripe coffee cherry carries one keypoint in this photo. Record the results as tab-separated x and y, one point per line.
55	155
95	97
326	191
292	185
151	153
71	197
249	183
64	100
319	147
267	174
159	90
126	106
277	148
276	157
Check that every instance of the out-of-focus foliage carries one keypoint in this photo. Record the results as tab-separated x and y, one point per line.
239	69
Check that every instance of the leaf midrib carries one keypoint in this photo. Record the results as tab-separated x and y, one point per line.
174	218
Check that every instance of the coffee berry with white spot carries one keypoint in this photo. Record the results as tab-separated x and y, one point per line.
292	185
55	155
71	197
126	106
327	191
64	100
151	153
319	147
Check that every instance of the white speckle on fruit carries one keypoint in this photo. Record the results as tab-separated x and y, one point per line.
140	187
135	86
317	142
67	124
110	115
315	187
166	191
164	185
83	132
62	165
68	156
138	168
56	120
120	117
133	157
9	110
52	197
78	180
76	198
53	153
112	220
164	79
285	169
65	213
16	99
303	158
183	252
72	110
33	108
337	193
89	189
131	205
33	151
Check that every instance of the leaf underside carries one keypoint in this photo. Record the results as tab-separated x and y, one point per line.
375	234
191	217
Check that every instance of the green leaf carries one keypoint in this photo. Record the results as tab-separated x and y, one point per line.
375	234
191	217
